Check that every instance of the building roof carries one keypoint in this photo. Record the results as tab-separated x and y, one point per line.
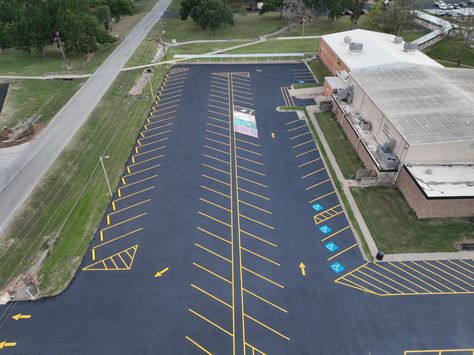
444	180
379	49
425	104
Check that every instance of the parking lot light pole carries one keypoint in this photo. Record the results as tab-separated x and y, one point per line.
101	158
151	86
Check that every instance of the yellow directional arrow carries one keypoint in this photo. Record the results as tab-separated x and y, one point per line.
273	135
21	316
303	269
5	344
160	273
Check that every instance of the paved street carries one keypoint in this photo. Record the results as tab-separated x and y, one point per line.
17	182
225	236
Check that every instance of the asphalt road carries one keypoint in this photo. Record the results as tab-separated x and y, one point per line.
19	180
226	219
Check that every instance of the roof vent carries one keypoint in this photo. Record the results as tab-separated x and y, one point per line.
356	47
428	171
398	40
347	40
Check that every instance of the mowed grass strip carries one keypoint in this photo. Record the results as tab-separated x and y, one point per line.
396	229
75	178
345	155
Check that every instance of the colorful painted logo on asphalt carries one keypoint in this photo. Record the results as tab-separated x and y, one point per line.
245	124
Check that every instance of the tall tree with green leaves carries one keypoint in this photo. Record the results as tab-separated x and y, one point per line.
357	8
272	5
395	17
210	14
336	8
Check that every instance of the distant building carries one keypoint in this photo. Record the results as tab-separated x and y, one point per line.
411	122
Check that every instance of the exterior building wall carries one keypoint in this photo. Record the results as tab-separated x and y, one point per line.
445	153
330	59
432	207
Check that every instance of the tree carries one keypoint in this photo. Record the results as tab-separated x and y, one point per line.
336	8
103	15
272	5
120	7
394	17
207	13
463	35
294	11
357	8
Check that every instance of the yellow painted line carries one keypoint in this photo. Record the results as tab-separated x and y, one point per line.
250	160
354	285
420	273
335	233
130	195
216	141
216	149
256	207
403	278
380	281
342	252
154	135
301	144
253	193
218	102
212	296
149	151
249	151
391	279
295	128
462	267
199	346
244	141
158	121
315	185
171	92
455	270
147	130
370	284
246	103
352	271
169	98
211	322
213	235
244	97
117	238
217	192
253	182
119	190
145	161
433	273
141	171
119	224
161	114
213	253
159	110
255	221
168	102
220	97
216	119
212	273
217	126
214	179
222	107
308	151
466	263
300	135
149	143
215	204
219	78
251	171
260	256
321	197
216	159
263	277
219	86
297	120
408	280
259	238
214	219
217	133
265	300
216	169
451	275
320	218
309	162
267	327
314	172
126	208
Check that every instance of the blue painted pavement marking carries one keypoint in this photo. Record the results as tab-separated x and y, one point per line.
337	267
325	229
301	81
331	247
318	207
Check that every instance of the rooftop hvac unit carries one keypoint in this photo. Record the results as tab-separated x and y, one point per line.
410	46
365	125
398	40
386	156
356	47
347	40
346	94
350	94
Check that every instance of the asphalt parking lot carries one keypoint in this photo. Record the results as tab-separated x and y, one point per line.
225	236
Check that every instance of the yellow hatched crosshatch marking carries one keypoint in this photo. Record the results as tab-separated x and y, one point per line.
328	214
121	261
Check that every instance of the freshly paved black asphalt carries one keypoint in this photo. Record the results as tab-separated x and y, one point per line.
270	307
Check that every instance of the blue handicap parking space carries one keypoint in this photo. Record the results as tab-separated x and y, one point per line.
331	246
301	81
325	229
318	207
337	267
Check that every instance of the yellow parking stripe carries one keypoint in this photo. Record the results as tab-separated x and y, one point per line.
253	193
265	300
214	204
199	346
130	195
126	208
267	327
260	256
119	190
309	162
217	133
217	126
301	144
244	141
335	233
300	135
431	272
259	238
117	238
149	151
216	169
403	278
219	113
251	171
217	141
216	149
213	235
297	120
249	151
304	153
322	196
315	185
212	273
370	284
342	252
144	161
389	278
212	296
119	224
216	180
312	173
214	219
250	160
210	322
256	207
459	266
213	253
216	192
253	182
295	128
255	221
447	273
262	277
216	159
416	277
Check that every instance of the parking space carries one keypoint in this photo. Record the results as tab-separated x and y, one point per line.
225	236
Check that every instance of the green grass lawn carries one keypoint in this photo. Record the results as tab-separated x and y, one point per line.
319	70
346	157
444	52
396	229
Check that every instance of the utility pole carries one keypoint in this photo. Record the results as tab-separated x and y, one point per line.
303	26
151	86
101	158
61	48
